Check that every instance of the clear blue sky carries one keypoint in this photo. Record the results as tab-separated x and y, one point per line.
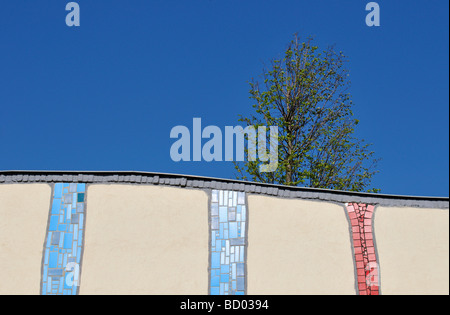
105	95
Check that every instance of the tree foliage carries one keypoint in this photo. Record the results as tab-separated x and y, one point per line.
305	93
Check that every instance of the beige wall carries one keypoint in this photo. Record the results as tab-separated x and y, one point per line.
413	250
145	240
298	247
24	211
154	240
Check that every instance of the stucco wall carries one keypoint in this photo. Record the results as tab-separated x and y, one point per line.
413	250
145	240
298	247
23	220
163	239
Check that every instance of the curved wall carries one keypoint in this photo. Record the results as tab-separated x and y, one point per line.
145	240
23	221
298	247
413	249
164	237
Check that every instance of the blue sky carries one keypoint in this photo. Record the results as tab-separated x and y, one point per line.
105	95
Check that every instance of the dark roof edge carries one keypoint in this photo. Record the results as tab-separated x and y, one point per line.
136	177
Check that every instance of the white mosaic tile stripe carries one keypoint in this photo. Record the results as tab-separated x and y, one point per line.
228	215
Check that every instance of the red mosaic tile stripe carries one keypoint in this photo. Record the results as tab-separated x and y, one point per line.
360	216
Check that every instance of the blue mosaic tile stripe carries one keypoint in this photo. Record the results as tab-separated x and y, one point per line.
228	218
64	241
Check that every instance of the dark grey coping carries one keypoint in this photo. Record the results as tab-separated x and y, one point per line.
200	182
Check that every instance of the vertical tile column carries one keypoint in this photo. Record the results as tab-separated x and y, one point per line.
367	270
64	242
228	218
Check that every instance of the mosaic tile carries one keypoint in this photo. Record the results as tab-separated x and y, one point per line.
367	272
81	197
63	245
228	240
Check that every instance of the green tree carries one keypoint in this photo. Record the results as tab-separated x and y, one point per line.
305	94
